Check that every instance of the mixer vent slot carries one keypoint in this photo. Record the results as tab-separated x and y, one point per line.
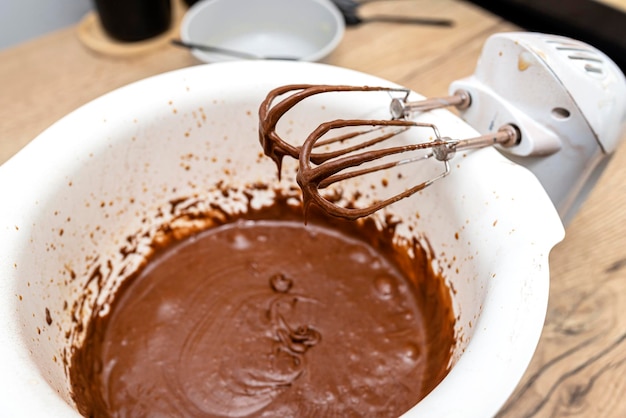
586	58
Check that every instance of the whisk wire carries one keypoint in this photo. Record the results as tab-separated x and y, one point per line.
272	110
319	170
330	167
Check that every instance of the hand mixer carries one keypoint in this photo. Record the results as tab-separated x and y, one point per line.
552	104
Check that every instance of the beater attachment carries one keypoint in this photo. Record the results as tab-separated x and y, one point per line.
333	150
270	113
555	105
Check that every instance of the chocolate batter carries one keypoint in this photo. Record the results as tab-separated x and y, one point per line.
263	316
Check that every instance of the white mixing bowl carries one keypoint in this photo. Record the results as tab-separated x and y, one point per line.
79	189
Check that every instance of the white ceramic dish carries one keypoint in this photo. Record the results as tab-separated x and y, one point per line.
307	30
82	186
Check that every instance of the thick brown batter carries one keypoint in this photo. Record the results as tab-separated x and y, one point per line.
270	318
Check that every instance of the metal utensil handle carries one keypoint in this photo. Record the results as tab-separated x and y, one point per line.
445	148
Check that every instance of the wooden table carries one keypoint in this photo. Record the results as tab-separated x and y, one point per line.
580	364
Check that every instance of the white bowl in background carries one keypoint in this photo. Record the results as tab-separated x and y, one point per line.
79	189
307	30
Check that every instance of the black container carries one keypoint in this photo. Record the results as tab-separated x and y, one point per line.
134	20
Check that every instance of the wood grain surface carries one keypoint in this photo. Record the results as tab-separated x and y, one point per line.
579	366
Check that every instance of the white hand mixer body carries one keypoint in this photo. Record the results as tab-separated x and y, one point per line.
567	99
